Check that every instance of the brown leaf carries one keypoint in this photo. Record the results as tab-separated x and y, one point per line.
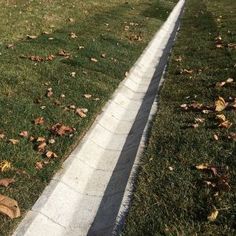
41	139
39	121
213	215
9	207
216	137
81	112
87	96
73	35
221	118
220	84
73	74
232	136
50	154
61	129
39	165
51	141
195	126
229	80
11	45
2	136
49	92
184	106
103	55
220	104
41	147
32	36
178	59
219	45
189	72
233	105
5	182
71	20
24	134
63	53
36	58
226	124
31	138
199	120
93	60
73	107
232	45
49	58
5	165
13	141
202	166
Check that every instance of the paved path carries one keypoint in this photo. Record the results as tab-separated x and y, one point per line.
90	194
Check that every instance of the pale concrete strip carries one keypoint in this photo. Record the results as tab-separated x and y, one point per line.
85	196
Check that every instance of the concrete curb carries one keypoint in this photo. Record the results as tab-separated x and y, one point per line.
90	191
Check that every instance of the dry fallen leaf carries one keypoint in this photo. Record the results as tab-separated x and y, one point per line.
199	120
71	20
221	118
219	46
32	36
50	154
178	59
195	126
184	106
73	107
61	129
51	141
226	124
229	80
233	105
73	74
13	141
50	57
216	137
73	35
88	96
41	139
93	60
5	165
232	136
63	53
220	84
232	45
31	138
9	207
24	134
41	147
39	165
81	112
220	104
2	136
202	166
49	92
5	182
189	72
213	215
39	121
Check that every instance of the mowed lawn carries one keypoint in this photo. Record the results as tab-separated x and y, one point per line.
60	61
186	182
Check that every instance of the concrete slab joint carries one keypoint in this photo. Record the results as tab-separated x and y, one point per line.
90	194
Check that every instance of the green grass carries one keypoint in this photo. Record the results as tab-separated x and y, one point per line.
170	196
100	29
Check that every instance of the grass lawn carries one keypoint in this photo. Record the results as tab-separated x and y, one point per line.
60	61
187	178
